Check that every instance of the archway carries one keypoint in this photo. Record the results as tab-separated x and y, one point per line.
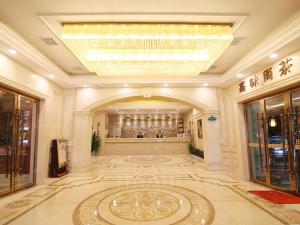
83	124
148	93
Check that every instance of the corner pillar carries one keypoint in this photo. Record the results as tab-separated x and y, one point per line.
81	154
212	139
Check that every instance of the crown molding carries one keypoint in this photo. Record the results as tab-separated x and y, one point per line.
37	62
21	87
31	57
263	90
286	33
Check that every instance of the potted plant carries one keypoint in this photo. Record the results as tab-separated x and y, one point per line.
195	151
96	143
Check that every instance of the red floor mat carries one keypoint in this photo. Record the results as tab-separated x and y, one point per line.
277	197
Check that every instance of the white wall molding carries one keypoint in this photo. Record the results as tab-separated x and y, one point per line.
155	93
33	58
22	88
82	113
287	32
36	61
267	89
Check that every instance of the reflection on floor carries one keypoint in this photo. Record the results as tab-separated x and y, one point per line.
151	190
5	181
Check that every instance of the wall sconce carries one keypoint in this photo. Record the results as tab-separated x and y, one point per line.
272	122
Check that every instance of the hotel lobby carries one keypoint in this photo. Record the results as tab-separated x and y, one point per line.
149	113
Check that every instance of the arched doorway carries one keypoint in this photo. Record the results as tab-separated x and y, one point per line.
83	124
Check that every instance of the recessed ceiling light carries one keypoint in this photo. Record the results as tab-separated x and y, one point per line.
12	51
85	85
205	84
166	84
273	55
125	85
51	76
239	75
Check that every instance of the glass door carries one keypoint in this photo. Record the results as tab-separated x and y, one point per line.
7	108
18	119
256	147
24	162
295	140
277	136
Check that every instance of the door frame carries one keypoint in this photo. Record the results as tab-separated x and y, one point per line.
287	94
13	164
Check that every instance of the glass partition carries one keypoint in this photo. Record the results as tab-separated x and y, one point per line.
256	142
26	142
7	108
277	141
295	123
18	116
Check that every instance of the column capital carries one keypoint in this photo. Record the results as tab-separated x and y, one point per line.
211	111
82	113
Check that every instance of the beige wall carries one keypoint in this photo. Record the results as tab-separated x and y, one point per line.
129	125
16	76
90	98
58	106
191	117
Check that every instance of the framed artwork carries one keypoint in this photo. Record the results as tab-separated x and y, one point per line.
199	128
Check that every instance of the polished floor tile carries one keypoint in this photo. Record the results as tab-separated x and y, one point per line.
150	190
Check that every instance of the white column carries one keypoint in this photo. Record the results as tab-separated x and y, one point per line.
212	140
82	134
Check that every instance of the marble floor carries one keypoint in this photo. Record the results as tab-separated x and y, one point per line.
150	190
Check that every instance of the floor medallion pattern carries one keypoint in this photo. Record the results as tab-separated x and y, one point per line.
148	159
174	191
150	204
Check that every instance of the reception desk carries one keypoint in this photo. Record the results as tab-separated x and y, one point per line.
122	146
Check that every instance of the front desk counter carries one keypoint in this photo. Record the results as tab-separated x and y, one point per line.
119	146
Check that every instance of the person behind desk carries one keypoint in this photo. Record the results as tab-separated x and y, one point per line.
140	135
159	134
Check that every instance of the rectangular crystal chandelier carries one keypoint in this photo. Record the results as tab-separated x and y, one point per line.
147	49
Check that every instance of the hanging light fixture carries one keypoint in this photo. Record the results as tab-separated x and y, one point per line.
272	122
150	49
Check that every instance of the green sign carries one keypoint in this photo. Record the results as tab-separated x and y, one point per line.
211	118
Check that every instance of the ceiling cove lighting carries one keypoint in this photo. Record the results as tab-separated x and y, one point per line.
12	51
153	49
273	55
